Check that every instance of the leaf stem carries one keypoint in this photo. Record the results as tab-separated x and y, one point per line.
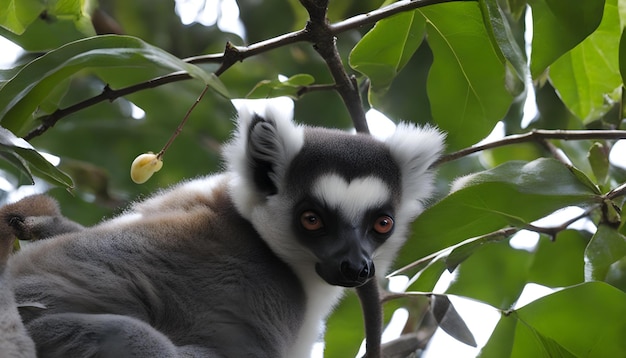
553	231
182	123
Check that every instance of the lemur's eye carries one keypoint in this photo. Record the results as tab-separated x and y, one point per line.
383	224
311	221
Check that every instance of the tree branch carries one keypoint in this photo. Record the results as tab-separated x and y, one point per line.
314	88
535	135
619	191
553	231
373	16
107	94
324	42
244	52
233	54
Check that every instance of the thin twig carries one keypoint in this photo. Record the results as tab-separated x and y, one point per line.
314	88
245	52
617	192
534	135
371	17
182	123
107	94
492	236
556	153
553	231
399	295
422	261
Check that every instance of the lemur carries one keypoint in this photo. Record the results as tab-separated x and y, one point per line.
245	263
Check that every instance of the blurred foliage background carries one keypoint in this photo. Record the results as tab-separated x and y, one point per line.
469	67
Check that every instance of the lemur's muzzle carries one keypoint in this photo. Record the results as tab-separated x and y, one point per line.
350	266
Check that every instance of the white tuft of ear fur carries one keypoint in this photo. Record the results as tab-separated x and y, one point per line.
264	144
415	149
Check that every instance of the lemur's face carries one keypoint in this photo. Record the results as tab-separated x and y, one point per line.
345	203
329	203
343	223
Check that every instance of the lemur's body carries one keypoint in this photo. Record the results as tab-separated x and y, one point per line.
232	265
162	272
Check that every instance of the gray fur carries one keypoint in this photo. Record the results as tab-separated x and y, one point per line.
33	218
14	340
188	273
219	266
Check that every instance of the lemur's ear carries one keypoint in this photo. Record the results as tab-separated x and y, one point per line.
415	149
263	147
268	152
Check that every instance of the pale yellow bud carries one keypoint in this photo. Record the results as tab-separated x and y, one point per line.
144	166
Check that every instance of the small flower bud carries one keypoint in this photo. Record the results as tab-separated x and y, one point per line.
144	166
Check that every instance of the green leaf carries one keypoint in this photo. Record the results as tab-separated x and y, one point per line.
510	194
387	47
559	263
495	274
466	83
584	179
516	8
27	160
622	56
21	15
587	78
16	15
17	167
450	321
558	27
344	328
461	252
277	88
21	95
7	74
512	338
616	275
545	345
500	344
586	320
605	248
503	38
598	157
38	35
426	279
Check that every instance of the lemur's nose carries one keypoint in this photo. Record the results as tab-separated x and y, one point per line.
360	272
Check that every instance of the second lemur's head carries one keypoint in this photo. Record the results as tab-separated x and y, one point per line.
327	200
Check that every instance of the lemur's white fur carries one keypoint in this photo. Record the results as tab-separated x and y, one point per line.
354	198
292	136
415	149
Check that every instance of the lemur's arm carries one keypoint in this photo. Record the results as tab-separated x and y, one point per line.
14	340
35	217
